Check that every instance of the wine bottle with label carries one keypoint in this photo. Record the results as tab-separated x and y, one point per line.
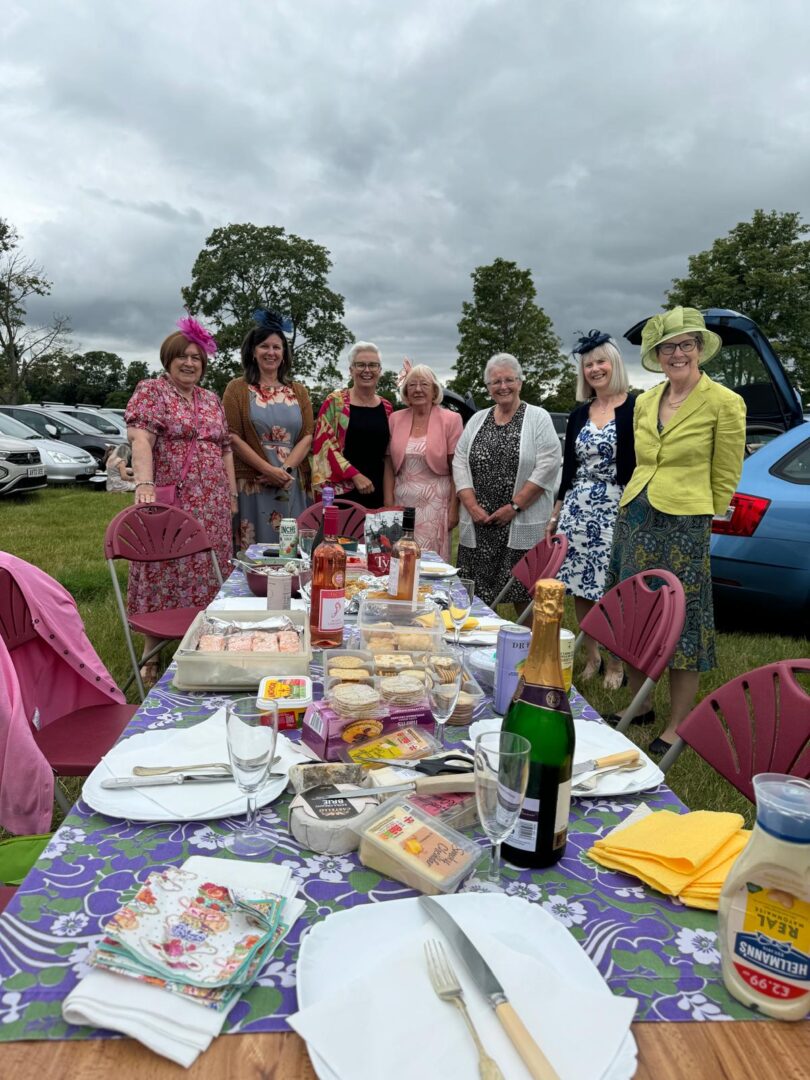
328	593
541	713
403	574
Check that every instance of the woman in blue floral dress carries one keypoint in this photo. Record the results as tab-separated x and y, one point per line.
270	420
598	461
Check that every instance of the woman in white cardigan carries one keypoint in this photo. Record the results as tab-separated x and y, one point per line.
504	469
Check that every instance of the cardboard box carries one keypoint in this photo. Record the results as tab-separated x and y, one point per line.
322	728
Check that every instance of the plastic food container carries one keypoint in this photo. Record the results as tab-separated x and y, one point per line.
413	847
234	670
291	693
388	626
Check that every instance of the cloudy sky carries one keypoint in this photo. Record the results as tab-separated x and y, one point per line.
598	144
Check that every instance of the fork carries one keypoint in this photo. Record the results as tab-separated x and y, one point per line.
448	988
161	770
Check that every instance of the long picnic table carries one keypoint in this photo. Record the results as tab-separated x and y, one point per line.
644	944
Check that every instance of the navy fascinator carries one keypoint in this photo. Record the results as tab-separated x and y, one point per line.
592	340
269	320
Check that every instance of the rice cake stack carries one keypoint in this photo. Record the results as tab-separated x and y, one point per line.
355	701
401	690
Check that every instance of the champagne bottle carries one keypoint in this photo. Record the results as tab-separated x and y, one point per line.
328	593
403	574
541	713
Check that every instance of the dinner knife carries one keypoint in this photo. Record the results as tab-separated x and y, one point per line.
173	778
533	1057
624	758
423	785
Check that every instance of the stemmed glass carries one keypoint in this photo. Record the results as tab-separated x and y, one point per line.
501	766
444	678
306	540
460	594
305	584
251	747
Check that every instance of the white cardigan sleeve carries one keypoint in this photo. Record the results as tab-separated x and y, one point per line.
547	454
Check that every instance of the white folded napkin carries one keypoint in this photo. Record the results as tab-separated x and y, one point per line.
176	1027
203	743
389	1021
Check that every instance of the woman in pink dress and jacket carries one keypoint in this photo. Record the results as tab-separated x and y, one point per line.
419	470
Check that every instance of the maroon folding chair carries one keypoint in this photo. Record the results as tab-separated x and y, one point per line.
542	561
150	532
6	893
72	744
641	626
351	518
758	722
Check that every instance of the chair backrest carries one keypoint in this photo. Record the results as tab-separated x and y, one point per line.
541	561
758	722
641	625
153	533
16	626
351	518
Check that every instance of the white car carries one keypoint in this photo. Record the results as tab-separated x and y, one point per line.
21	467
64	464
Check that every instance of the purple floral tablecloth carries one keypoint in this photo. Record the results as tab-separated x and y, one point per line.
645	945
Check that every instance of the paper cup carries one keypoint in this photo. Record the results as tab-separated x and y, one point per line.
279	590
567	640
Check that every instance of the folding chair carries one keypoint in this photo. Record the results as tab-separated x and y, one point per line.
148	533
351	518
74	743
641	626
542	561
758	722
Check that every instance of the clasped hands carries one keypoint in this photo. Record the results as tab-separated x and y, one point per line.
502	516
276	477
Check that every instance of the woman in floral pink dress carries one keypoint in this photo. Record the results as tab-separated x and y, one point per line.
167	419
270	420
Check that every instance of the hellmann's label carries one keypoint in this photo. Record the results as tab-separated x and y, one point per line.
771	941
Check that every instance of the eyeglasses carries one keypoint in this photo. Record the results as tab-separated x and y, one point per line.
669	348
503	382
366	367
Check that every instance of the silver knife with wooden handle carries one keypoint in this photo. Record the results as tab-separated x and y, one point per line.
533	1057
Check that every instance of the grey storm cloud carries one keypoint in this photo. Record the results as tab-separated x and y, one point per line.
598	145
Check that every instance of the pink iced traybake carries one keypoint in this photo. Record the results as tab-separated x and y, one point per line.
211	643
265	642
288	641
240	642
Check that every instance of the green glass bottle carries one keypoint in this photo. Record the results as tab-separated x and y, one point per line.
541	713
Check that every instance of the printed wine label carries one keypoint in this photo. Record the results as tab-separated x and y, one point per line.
769	931
544	697
331	605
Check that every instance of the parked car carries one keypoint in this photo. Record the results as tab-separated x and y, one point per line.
21	467
761	549
63	463
52	424
94	417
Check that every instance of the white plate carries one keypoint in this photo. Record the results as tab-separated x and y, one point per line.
181	802
356	940
595	740
436	569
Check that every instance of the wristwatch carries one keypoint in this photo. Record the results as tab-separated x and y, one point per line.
289	469
515	507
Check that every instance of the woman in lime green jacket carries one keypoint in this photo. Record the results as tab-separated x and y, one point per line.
689	439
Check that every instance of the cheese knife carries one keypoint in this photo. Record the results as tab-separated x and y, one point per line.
533	1057
423	785
173	778
624	758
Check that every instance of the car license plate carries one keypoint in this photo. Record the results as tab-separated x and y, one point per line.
36	470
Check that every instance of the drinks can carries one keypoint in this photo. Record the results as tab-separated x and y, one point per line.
567	642
279	592
288	538
511	649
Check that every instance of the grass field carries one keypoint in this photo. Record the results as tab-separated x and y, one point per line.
61	530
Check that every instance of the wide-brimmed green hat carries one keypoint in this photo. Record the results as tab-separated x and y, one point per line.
680	320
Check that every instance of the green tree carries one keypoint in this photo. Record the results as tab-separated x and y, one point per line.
504	317
762	269
563	396
22	347
243	267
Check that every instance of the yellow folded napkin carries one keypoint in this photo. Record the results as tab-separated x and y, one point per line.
668	851
704	891
470	624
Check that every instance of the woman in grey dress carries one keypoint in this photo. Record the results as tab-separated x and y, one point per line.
270	420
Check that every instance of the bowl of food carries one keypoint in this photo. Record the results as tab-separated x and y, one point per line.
348	543
256	571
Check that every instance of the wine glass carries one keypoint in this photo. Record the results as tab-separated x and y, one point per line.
251	747
460	594
501	767
444	677
306	541
305	584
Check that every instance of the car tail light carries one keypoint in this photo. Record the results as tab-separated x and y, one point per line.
743	517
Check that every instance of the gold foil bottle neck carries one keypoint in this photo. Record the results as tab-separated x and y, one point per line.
549	597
